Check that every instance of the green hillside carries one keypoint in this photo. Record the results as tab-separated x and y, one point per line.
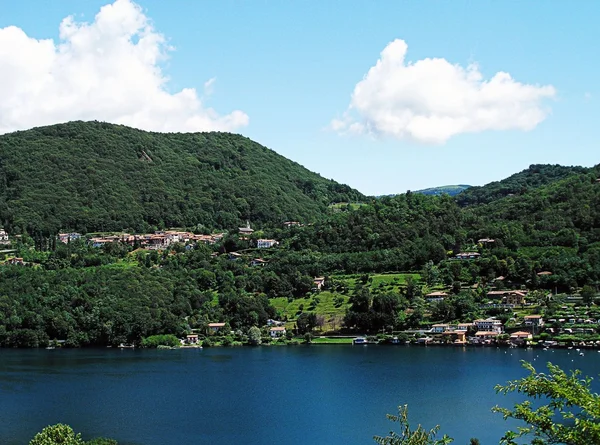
90	176
535	176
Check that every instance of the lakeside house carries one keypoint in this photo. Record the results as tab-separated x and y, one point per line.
266	243
277	331
488	325
191	339
215	327
520	337
485	337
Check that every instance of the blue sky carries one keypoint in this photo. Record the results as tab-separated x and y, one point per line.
290	69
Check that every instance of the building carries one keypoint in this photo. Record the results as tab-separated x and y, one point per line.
277	331
440	328
520	337
16	261
3	237
485	337
534	320
215	327
246	230
192	339
468	256
488	325
234	256
319	282
486	241
266	243
258	262
436	296
289	224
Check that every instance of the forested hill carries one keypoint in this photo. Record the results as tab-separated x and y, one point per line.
92	176
535	176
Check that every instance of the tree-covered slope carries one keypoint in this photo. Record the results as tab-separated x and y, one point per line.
519	183
90	176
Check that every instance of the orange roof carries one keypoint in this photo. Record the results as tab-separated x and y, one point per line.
485	333
278	329
533	316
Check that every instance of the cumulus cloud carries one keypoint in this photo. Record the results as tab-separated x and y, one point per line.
108	70
431	100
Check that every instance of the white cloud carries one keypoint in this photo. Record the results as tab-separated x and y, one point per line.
108	70
431	100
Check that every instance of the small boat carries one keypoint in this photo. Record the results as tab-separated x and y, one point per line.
359	341
50	347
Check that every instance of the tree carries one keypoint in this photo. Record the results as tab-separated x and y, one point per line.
254	336
406	436
58	434
571	416
588	294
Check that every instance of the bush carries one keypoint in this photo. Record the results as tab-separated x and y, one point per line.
154	341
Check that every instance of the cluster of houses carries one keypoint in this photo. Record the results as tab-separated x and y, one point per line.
158	240
276	330
506	298
482	331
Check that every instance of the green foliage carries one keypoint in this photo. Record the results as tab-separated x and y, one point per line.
254	336
58	434
406	436
93	176
155	341
571	416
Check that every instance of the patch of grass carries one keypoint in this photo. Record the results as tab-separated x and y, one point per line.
331	341
323	303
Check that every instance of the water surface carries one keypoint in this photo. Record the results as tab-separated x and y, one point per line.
294	395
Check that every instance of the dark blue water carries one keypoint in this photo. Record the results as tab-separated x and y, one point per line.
292	395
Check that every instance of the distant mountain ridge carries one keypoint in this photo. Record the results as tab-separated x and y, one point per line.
94	176
451	190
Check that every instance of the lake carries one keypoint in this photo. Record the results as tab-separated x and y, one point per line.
294	395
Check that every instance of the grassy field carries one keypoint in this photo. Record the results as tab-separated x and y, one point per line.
333	305
332	341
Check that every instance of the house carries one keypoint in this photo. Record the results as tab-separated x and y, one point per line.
509	297
289	224
16	261
319	282
456	337
266	243
486	241
534	320
464	326
277	331
485	336
246	230
271	322
544	273
234	256
191	339
258	262
468	256
215	327
440	328
3	237
488	325
436	296
520	337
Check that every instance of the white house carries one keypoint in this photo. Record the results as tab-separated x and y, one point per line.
277	331
439	328
488	325
318	282
266	243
